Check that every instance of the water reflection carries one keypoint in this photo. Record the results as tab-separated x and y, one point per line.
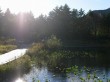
19	80
100	69
44	75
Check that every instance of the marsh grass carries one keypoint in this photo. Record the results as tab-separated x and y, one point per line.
57	58
22	63
6	48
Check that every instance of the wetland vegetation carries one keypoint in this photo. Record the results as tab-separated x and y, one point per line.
65	46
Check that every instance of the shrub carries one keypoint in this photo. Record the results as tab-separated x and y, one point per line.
53	42
35	48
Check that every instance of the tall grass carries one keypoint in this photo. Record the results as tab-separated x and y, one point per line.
22	63
7	48
15	68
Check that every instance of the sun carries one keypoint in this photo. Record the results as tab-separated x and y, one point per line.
36	6
19	80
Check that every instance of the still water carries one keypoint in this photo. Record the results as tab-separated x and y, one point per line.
88	70
43	75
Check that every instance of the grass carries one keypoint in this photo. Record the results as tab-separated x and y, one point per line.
7	48
15	68
23	63
7	44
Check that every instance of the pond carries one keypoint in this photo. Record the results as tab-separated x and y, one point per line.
76	69
44	75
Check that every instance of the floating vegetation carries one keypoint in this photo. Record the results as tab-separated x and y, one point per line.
92	74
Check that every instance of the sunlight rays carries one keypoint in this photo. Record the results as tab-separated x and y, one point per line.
21	20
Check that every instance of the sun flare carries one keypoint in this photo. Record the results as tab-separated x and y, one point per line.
36	6
19	80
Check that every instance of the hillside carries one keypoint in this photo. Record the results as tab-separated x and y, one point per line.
103	12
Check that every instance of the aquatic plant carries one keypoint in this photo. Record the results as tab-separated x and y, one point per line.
90	77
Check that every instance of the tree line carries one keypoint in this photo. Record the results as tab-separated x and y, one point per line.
65	23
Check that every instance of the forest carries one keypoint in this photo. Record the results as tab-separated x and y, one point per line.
69	25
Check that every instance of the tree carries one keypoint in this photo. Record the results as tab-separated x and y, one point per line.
7	21
59	17
74	14
81	13
1	26
106	24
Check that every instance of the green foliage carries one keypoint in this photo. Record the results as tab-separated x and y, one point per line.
5	41
81	12
53	57
23	63
87	78
6	48
82	79
73	69
100	81
38	81
53	42
66	23
35	48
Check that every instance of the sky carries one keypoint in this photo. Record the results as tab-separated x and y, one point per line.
45	6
